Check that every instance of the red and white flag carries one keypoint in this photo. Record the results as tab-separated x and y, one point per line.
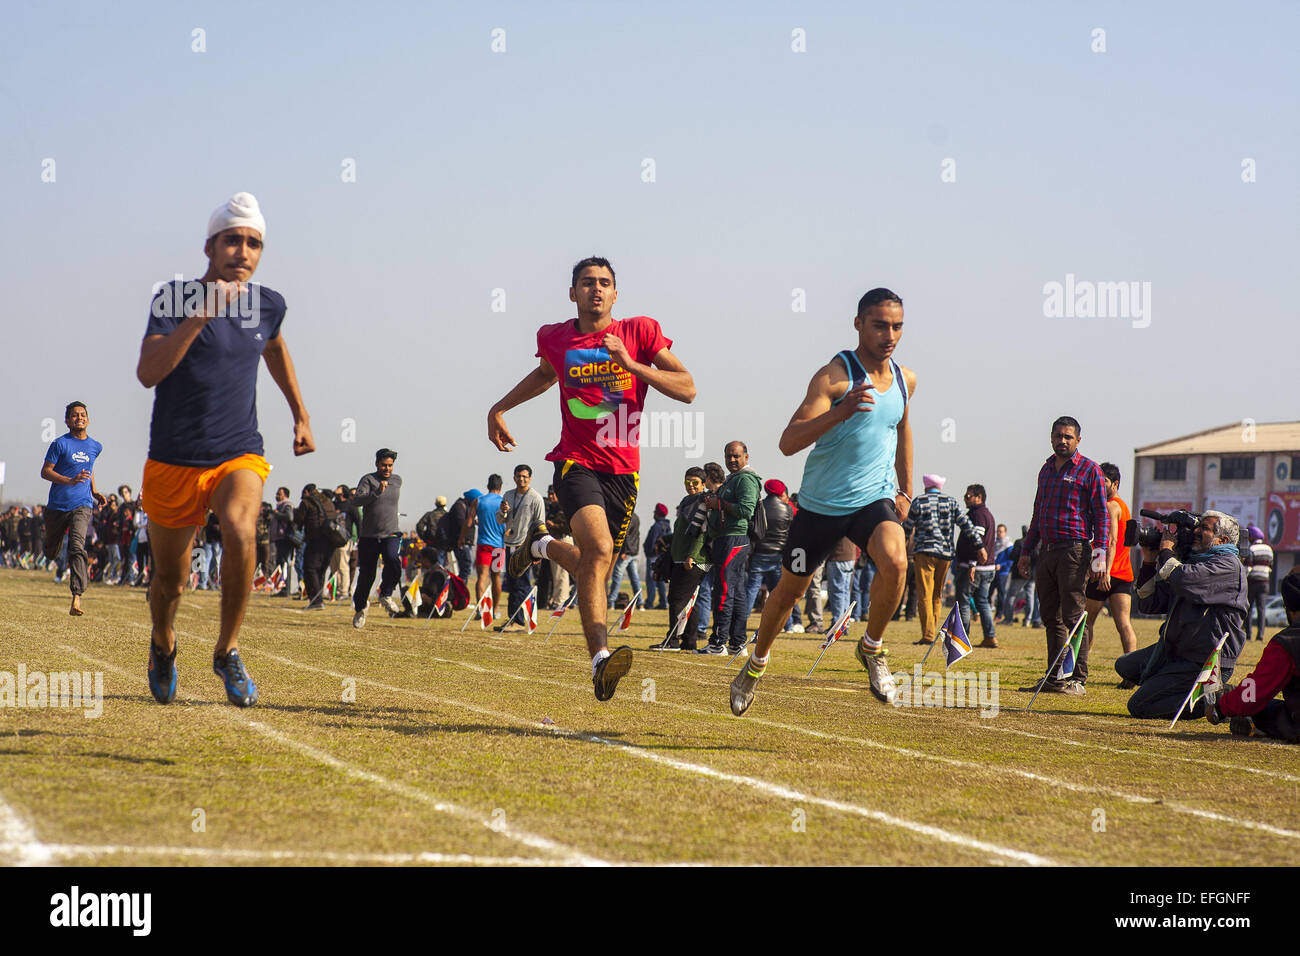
559	611
442	597
485	612
530	611
680	626
626	622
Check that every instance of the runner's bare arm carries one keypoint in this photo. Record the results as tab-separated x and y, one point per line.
667	375
280	365
530	386
160	354
903	456
817	415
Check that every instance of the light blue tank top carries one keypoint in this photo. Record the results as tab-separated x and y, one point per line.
852	464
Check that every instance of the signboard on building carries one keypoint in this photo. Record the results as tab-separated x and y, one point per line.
1245	508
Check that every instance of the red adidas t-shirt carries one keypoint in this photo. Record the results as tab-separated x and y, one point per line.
600	401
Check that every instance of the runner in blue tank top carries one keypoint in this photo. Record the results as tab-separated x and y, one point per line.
857	483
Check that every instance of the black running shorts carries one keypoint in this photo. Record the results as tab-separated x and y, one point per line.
813	537
1116	587
578	486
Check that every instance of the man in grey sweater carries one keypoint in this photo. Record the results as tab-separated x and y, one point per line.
522	507
377	494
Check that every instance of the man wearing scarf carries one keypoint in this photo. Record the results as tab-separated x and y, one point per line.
1203	597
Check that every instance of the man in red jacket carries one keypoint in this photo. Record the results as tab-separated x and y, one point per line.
1250	707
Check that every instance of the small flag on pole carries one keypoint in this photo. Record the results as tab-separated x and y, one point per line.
956	643
530	611
1207	682
627	613
1072	645
332	587
413	591
485	612
559	612
679	628
259	580
441	602
838	630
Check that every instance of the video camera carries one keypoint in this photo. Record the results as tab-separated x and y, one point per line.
1184	521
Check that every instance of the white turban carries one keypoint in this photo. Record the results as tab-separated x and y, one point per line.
240	210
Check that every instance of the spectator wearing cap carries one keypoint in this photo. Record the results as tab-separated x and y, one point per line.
933	516
1259	579
765	561
656	543
1250	707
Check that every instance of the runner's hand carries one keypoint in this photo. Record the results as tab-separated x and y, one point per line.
856	400
101	499
902	506
1103	582
82	475
498	434
616	348
303	443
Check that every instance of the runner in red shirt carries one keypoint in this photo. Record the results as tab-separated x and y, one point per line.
604	367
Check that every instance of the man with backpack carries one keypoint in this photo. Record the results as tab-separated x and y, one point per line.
315	515
427	527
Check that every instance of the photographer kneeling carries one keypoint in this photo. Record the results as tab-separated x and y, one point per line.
1203	592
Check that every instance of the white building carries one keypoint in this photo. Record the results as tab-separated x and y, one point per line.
1250	471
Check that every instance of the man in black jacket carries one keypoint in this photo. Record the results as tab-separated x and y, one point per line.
1204	598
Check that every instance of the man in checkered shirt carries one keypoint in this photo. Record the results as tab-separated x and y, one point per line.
1072	524
933	516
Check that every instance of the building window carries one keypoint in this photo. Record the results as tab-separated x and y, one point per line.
1295	464
1172	469
1236	469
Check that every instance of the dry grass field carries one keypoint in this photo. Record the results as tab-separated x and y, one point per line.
413	743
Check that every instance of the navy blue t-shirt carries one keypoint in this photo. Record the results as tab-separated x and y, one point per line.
70	456
205	411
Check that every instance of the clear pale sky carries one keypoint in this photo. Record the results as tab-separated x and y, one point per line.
774	170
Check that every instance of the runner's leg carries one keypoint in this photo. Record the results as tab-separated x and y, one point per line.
236	502
171	569
887	548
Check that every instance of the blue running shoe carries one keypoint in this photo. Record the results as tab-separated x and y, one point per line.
240	689
162	674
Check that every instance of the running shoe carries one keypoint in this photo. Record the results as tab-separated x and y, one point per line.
610	671
390	604
882	681
742	687
523	555
240	689
162	674
713	650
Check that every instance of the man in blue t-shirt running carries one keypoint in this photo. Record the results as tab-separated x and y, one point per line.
856	483
200	354
70	470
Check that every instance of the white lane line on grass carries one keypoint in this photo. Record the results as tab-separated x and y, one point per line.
954	720
214	854
19	845
902	751
409	793
771	789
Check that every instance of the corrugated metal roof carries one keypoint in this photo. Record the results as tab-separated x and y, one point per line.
1227	439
